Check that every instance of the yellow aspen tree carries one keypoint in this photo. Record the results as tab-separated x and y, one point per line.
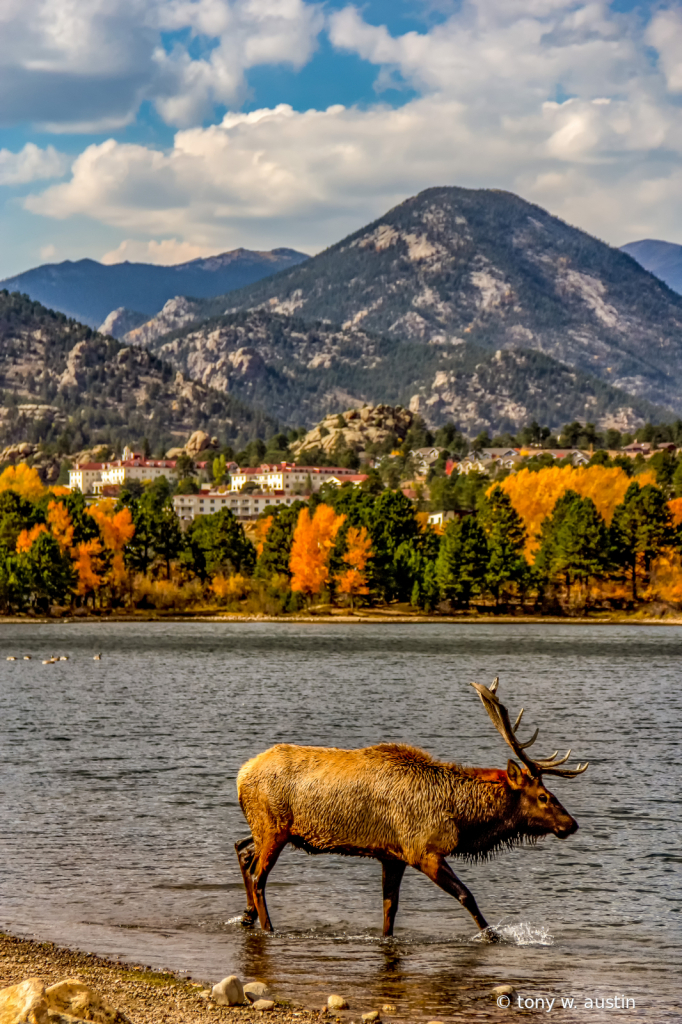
534	494
23	479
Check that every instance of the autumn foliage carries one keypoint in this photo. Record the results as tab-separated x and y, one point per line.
260	533
534	494
314	539
353	580
27	538
60	524
23	479
116	530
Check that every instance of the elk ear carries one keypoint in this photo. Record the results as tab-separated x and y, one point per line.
514	775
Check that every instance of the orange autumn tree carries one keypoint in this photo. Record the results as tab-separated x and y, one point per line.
260	533
60	524
353	581
116	530
88	566
314	538
26	538
534	494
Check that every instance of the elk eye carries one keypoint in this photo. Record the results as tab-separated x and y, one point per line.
542	799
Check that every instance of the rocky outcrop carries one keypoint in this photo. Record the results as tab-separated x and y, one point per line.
356	429
177	312
122	320
199	441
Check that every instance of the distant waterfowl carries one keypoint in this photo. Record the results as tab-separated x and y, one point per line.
49	661
11	658
97	657
63	657
27	657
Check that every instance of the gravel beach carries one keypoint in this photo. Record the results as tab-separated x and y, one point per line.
143	995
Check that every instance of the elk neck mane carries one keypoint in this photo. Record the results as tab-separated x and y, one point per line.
481	797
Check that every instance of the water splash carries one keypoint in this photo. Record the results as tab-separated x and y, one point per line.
521	934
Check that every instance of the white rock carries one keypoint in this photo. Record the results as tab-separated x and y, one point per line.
254	990
228	992
264	1004
337	1003
503	990
370	1017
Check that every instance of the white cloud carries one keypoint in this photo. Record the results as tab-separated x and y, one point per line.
665	34
486	116
47	252
87	65
167	252
31	164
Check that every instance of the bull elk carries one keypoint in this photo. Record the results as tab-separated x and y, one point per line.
397	804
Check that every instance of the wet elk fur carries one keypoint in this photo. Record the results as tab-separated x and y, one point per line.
397	804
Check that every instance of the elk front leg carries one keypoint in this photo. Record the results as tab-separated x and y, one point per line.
392	876
439	871
267	858
246	855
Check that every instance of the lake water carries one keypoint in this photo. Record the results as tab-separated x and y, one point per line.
119	812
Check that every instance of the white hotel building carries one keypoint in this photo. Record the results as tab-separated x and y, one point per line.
91	477
287	477
243	506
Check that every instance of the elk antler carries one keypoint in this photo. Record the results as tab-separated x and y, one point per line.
500	719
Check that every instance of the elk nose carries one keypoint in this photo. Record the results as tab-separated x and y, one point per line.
564	833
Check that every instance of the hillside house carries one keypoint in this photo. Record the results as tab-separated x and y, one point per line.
424	458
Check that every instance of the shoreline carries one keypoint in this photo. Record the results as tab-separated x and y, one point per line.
144	995
378	617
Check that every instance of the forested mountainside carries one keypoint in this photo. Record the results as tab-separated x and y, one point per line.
664	259
59	378
453	265
300	372
89	291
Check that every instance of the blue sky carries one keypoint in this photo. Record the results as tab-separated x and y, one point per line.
162	130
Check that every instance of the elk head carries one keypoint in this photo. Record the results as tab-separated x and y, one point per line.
538	808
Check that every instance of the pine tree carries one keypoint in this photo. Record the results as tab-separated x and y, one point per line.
462	560
641	529
505	537
574	542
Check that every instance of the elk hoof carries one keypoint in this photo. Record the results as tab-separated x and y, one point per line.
248	918
489	935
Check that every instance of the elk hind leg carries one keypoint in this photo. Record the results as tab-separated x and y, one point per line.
392	876
439	871
246	855
270	850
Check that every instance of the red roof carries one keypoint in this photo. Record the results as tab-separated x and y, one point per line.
142	463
